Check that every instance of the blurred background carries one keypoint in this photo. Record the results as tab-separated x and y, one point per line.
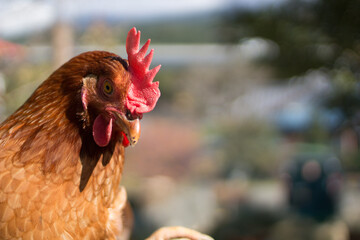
256	134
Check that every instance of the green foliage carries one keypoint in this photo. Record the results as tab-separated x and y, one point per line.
310	34
200	29
346	93
21	81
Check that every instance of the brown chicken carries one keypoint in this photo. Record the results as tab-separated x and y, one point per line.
62	152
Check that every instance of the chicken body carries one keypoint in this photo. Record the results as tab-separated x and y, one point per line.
50	206
47	149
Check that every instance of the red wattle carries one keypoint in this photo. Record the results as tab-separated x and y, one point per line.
102	129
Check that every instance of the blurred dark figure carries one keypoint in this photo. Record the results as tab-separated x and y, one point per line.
314	182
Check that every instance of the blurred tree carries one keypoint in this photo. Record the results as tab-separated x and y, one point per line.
346	94
310	34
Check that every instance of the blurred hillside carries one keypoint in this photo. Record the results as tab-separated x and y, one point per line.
256	133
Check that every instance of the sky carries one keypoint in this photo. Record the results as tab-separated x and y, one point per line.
18	17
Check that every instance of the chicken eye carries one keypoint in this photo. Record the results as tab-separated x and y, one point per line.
107	87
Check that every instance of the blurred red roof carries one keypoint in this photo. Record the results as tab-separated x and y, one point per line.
10	50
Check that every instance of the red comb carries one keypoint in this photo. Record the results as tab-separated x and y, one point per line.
143	92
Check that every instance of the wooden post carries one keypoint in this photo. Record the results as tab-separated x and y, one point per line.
62	37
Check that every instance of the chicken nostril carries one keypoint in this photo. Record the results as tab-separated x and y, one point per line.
132	116
129	115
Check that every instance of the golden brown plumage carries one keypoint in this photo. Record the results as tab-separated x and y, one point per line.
43	145
62	152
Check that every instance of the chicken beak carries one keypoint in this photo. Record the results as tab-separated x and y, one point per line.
131	128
